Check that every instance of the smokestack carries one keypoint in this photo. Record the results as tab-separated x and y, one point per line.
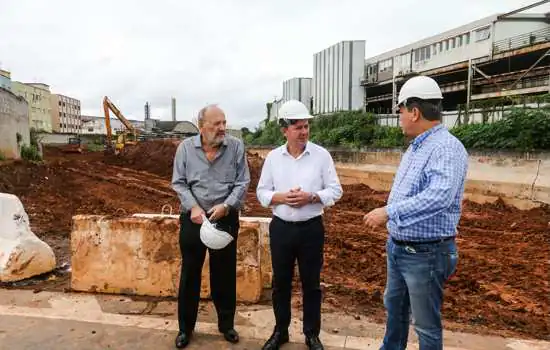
173	109
147	111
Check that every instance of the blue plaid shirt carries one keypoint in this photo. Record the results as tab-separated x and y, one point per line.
425	201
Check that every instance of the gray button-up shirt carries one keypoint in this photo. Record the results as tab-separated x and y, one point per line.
196	180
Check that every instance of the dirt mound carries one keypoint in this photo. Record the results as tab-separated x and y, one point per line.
154	156
500	286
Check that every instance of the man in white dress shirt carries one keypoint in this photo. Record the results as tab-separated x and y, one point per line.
298	180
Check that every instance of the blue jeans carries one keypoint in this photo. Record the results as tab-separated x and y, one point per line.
415	281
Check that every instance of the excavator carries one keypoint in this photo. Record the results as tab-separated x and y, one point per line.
125	138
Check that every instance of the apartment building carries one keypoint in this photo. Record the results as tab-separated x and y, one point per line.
5	79
37	96
65	114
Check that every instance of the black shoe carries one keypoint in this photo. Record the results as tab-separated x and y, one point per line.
314	343
231	336
182	340
276	340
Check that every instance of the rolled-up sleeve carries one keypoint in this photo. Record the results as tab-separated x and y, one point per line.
179	179
242	181
332	189
265	188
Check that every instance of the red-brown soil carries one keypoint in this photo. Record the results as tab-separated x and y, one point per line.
501	285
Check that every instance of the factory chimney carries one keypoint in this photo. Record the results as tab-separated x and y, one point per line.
147	111
173	109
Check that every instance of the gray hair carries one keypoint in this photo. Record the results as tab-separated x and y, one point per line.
202	112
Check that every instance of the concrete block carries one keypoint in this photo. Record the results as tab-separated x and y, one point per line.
22	253
140	255
265	251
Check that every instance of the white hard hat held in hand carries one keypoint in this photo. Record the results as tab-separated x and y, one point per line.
294	109
212	237
421	87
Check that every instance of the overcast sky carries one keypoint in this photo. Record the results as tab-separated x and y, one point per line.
235	53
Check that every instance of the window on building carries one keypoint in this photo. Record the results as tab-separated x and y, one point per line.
483	33
458	41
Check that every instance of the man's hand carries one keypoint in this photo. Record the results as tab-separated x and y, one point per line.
217	212
298	198
376	218
196	214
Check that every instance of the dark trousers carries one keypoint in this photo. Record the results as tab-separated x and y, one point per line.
223	273
303	242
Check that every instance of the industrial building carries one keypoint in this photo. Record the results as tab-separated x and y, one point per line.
38	97
298	89
500	55
65	114
337	74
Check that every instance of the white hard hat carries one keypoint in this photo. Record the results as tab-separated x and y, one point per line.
212	237
294	109
421	87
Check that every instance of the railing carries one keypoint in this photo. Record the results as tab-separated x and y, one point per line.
522	84
523	40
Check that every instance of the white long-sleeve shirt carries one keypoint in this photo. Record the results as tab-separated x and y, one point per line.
313	171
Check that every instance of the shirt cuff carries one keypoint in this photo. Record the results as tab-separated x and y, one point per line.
325	199
265	198
392	212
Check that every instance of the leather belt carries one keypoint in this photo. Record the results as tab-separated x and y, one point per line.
413	243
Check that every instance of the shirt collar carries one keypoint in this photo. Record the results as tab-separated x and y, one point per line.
198	144
285	149
417	142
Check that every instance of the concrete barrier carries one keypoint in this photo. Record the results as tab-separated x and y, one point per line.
140	255
22	253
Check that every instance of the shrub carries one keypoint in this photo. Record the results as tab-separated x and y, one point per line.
30	153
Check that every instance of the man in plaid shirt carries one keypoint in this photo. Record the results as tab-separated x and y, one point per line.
421	215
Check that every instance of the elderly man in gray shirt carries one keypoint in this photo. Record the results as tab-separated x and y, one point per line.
211	178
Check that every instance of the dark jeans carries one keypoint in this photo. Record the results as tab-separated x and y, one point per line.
303	242
415	282
223	273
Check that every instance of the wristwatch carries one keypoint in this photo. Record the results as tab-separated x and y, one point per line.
226	207
312	197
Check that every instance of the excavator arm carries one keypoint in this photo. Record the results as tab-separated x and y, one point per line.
108	105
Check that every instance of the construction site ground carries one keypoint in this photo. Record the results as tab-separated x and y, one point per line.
501	287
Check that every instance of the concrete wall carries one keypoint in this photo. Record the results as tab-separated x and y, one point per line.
521	179
14	118
54	138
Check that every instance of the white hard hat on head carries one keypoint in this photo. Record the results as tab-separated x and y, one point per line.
212	237
422	87
294	109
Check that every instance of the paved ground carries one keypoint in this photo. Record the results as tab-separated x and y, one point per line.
79	321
